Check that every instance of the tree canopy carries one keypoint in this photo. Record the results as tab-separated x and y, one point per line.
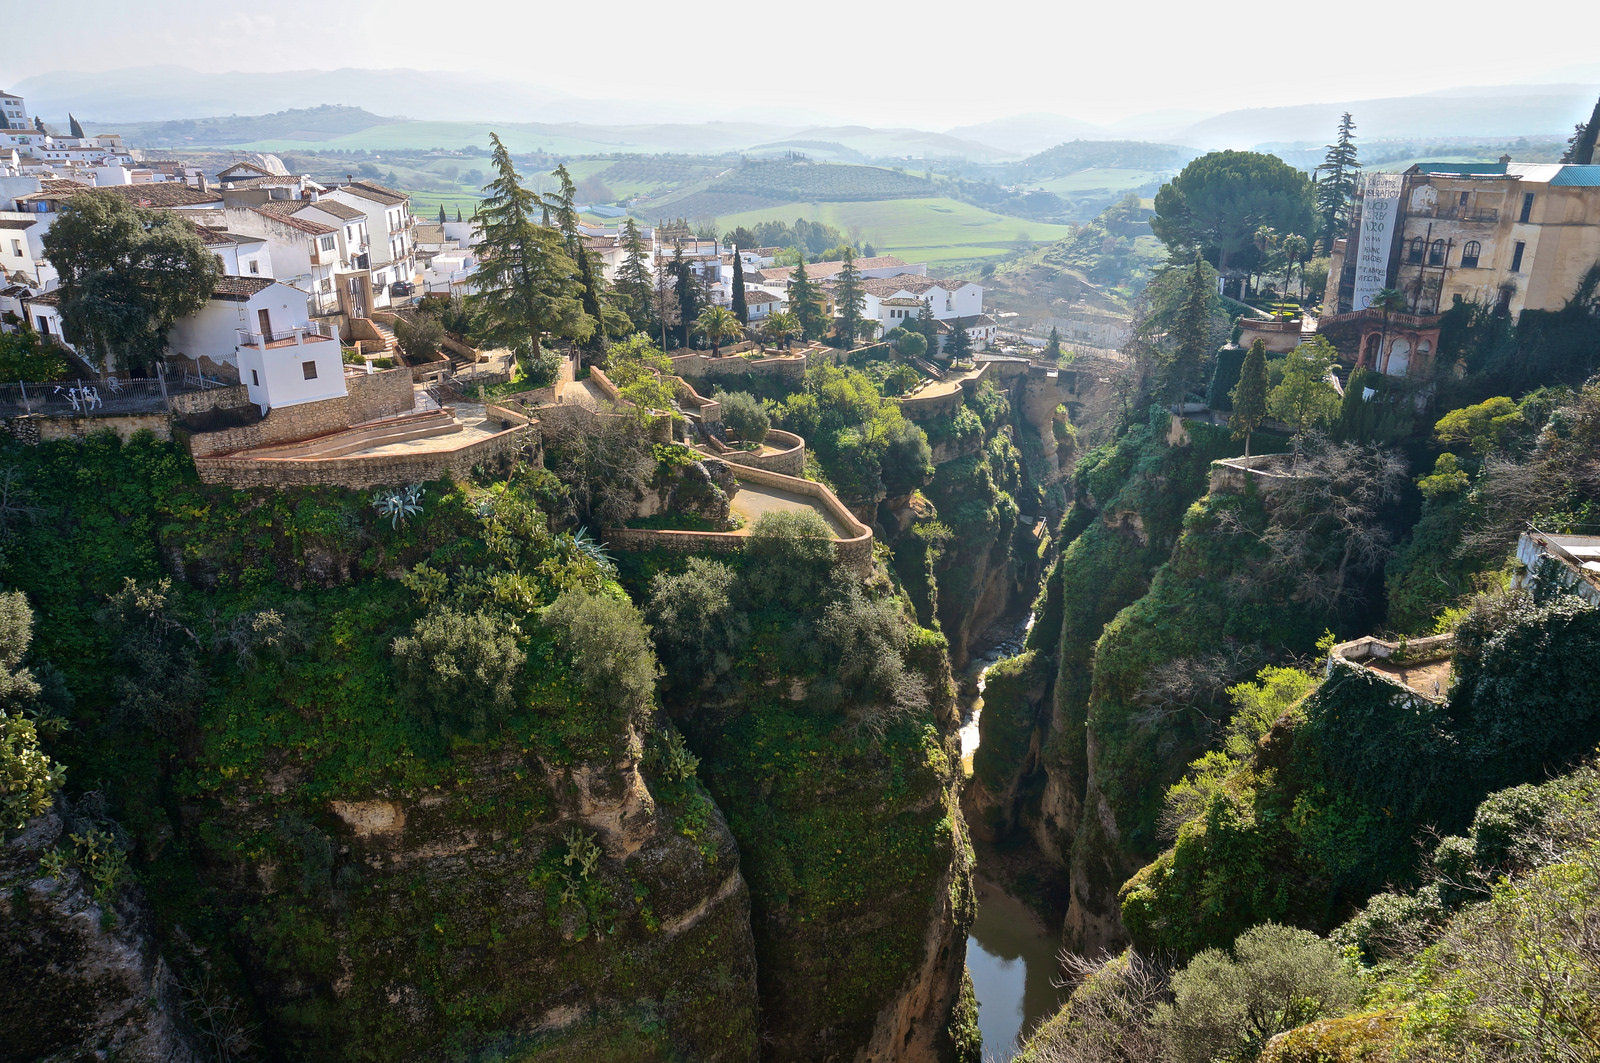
127	276
1216	204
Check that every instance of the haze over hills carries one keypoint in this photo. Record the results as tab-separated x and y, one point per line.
456	110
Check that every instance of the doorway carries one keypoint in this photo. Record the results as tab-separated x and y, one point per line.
266	325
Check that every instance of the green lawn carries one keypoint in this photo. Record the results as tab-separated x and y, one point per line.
922	230
425	205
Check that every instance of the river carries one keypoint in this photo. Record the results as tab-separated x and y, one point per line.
1010	952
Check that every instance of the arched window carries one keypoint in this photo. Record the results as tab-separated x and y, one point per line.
1414	252
1469	254
1436	253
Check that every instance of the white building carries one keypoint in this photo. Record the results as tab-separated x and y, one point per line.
892	301
305	252
262	328
13	112
390	232
237	254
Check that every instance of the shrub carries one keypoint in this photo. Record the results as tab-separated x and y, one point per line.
458	670
791	553
419	337
1226	1007
609	647
742	413
698	630
28	778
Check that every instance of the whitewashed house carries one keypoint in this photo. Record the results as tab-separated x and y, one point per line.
262	329
237	254
892	301
305	252
390	230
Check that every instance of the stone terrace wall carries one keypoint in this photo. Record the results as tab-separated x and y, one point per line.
361	472
790	460
209	399
926	407
370	396
39	428
791	367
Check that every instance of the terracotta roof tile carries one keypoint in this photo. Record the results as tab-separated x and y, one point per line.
162	194
343	211
239	289
284	210
377	193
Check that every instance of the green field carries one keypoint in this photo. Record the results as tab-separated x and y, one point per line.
920	230
1096	179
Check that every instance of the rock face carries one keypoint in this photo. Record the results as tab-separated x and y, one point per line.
80	982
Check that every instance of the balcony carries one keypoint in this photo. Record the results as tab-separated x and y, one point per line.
312	332
1455	212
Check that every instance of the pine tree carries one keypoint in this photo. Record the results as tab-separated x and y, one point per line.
691	295
1189	341
1336	182
1052	347
1249	395
805	302
561	207
633	285
740	309
589	289
526	283
959	346
928	327
850	299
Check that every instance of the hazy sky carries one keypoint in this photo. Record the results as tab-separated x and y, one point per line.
932	64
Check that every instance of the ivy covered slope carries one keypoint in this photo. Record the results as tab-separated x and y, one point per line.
1041	766
824	721
392	784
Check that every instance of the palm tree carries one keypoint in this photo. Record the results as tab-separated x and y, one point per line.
1390	301
782	327
1294	248
718	324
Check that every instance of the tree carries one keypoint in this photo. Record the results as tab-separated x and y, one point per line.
959	347
1581	148
805	303
29	779
608	645
1304	399
25	356
75	127
642	374
850	299
718	325
1489	426
690	293
665	302
1189	341
526	282
699	630
458	214
929	328
1337	180
1218	201
1249	395
419	337
589	294
1052	346
744	414
441	214
1388	301
127	276
740	310
633	285
458	670
782	327
1294	249
908	344
562	208
1226	1007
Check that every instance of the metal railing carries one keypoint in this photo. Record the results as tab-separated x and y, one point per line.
83	397
313	330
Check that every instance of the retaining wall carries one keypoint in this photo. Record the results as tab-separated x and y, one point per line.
36	428
369	397
791	367
361	472
790	459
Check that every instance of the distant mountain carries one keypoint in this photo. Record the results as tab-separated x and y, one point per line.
1505	112
1079	155
1024	134
308	124
902	143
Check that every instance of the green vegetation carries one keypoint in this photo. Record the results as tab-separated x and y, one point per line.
1217	203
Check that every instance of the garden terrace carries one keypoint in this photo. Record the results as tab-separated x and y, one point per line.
1421	666
782	452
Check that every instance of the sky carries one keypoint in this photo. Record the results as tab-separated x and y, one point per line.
933	64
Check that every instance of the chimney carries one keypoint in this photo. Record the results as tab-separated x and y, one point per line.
1505	160
205	185
349	178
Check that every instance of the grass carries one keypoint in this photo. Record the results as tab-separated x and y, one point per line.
1097	179
933	229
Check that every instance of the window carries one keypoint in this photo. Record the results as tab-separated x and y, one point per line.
1436	253
328	243
255	378
16	248
1469	254
1516	256
1527	206
309	369
1462	202
1414	251
255	266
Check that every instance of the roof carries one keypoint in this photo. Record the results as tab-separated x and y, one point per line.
265	181
241	165
975	321
1461	169
339	210
757	297
881	286
377	193
162	194
822	270
47	299
239	289
17	223
1577	177
430	233
284	210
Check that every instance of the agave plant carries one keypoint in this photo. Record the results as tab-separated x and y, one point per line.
585	544
398	506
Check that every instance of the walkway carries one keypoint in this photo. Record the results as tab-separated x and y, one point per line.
752	501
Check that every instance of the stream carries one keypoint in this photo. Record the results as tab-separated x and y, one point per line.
1010	952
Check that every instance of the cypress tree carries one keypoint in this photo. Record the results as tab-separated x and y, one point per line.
960	344
1190	337
526	282
1249	395
928	327
590	295
76	127
441	213
1336	183
458	214
740	309
634	285
850	299
1052	347
804	302
1580	149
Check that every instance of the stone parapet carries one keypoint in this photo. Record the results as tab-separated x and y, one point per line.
361	471
789	459
369	397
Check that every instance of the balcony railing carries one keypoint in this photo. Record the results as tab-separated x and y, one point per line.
1455	212
311	332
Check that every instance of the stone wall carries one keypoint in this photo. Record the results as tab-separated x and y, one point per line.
370	396
790	459
926	407
790	367
38	428
209	399
363	471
